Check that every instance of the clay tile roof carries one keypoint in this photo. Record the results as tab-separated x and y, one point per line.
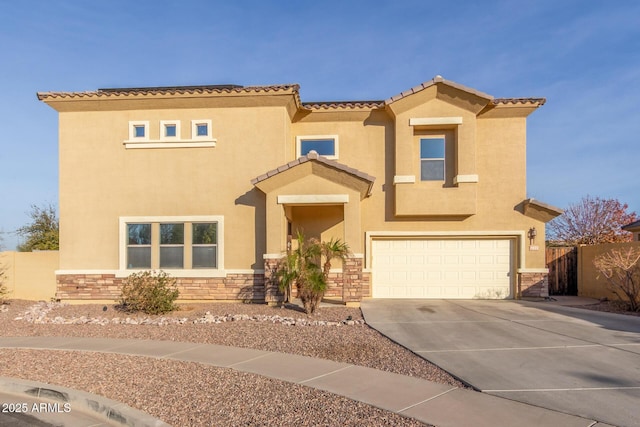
534	101
436	80
170	90
331	105
313	156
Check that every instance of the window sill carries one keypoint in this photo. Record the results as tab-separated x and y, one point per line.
188	143
178	273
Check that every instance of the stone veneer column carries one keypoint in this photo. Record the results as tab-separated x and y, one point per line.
533	285
352	279
272	295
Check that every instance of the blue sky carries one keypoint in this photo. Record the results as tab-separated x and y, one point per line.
583	56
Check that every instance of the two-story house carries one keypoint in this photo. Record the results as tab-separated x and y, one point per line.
428	188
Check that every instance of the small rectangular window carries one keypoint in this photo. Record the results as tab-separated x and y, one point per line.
169	130
171	245
205	245
139	246
324	145
201	129
432	159
139	131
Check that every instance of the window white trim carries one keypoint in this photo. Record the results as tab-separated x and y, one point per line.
169	141
305	199
465	178
194	130
434	121
163	126
133	124
301	138
404	179
123	238
178	144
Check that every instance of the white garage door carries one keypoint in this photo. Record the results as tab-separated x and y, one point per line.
425	268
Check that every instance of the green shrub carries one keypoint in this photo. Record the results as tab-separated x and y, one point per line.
150	292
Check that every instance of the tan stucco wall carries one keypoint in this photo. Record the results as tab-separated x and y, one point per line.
500	163
590	283
101	181
30	275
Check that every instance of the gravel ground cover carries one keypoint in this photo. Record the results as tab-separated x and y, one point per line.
192	394
220	396
618	307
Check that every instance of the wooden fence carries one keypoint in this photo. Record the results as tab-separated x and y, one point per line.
562	263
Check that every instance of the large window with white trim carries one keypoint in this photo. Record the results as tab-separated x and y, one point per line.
171	243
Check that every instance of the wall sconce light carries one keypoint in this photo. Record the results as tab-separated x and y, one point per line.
532	235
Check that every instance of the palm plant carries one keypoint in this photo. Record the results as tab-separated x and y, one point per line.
302	267
333	249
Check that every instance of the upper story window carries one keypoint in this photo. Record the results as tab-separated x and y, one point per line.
139	131
324	145
168	134
169	130
432	160
200	129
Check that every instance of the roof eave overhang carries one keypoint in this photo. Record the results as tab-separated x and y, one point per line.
349	177
540	211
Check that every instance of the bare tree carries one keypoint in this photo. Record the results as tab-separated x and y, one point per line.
621	268
591	221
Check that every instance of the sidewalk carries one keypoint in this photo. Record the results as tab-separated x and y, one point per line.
429	402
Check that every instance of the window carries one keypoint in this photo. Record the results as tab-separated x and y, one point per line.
169	135
324	145
138	245
139	131
432	159
171	245
200	129
186	243
169	130
204	245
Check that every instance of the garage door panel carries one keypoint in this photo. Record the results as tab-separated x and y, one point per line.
426	268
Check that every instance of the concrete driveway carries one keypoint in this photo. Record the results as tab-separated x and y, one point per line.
575	361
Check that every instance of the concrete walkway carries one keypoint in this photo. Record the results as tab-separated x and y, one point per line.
426	401
545	354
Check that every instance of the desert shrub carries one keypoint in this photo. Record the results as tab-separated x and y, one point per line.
621	269
150	292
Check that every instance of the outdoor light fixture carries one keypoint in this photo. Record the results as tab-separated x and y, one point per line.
532	235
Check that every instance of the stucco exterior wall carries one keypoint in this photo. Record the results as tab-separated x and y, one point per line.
103	180
30	275
100	180
590	283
